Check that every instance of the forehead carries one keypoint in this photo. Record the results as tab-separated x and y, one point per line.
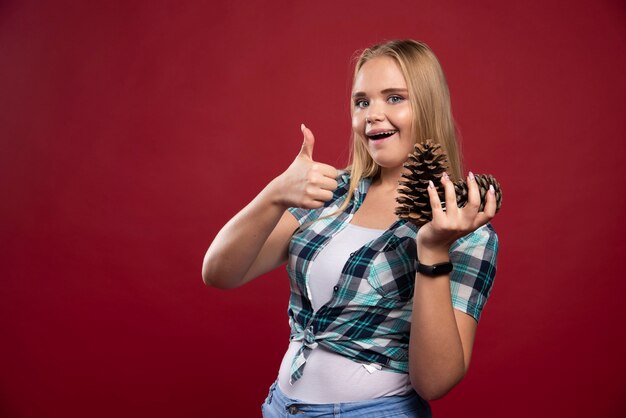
378	74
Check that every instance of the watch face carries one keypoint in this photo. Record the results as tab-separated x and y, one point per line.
442	268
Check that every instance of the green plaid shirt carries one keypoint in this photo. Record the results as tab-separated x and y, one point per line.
368	319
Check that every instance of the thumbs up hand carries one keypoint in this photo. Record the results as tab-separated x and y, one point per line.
306	183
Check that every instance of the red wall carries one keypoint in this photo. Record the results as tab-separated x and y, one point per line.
131	131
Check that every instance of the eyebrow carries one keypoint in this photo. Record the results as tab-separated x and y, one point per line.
385	91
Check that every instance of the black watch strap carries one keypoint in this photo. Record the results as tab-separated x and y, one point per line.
438	269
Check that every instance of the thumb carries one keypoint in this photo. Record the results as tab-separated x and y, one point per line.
309	141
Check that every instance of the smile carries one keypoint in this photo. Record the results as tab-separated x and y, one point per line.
381	135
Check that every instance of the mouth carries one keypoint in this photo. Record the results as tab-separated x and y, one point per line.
377	136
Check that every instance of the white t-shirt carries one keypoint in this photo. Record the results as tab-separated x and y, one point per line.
331	377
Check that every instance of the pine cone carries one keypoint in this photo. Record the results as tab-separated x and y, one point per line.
429	162
483	180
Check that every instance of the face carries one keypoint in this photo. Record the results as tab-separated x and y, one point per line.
382	116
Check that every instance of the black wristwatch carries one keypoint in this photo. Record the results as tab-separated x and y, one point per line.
438	269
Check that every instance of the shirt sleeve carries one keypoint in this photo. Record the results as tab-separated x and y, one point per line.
474	260
309	215
304	215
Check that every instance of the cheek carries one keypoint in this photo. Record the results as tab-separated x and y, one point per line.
405	116
357	131
358	123
358	127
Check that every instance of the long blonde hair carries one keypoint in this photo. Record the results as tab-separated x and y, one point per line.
429	98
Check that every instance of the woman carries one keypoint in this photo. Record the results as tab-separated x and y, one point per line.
376	330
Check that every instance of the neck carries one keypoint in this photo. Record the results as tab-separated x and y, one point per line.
388	178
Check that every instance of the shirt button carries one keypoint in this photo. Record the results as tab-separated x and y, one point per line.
335	288
352	254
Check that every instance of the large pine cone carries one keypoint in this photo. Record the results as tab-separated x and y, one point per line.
429	162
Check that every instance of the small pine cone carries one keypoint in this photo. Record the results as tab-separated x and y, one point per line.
483	181
429	162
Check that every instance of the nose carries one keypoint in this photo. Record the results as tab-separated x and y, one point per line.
374	114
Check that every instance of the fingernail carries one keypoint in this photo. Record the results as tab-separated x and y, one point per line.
302	126
430	184
491	190
471	176
445	176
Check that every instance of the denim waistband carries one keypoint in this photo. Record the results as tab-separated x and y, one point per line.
411	404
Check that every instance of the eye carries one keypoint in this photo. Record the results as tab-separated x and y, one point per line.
395	99
361	103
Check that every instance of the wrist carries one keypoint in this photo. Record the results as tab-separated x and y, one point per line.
274	194
432	256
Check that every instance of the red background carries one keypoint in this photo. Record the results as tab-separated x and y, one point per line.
131	131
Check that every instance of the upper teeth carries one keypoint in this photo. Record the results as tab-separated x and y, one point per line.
383	133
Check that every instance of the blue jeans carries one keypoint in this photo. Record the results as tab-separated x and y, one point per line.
278	405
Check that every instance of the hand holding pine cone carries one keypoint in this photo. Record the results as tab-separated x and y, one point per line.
428	163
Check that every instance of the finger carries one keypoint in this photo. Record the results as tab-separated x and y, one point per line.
490	204
490	209
473	194
450	196
308	142
322	195
328	184
312	204
480	220
327	170
435	203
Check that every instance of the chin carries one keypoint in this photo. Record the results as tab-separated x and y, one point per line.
386	162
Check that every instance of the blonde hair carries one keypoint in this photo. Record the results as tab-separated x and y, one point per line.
429	98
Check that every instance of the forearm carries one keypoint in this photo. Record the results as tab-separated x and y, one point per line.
240	241
255	241
436	356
